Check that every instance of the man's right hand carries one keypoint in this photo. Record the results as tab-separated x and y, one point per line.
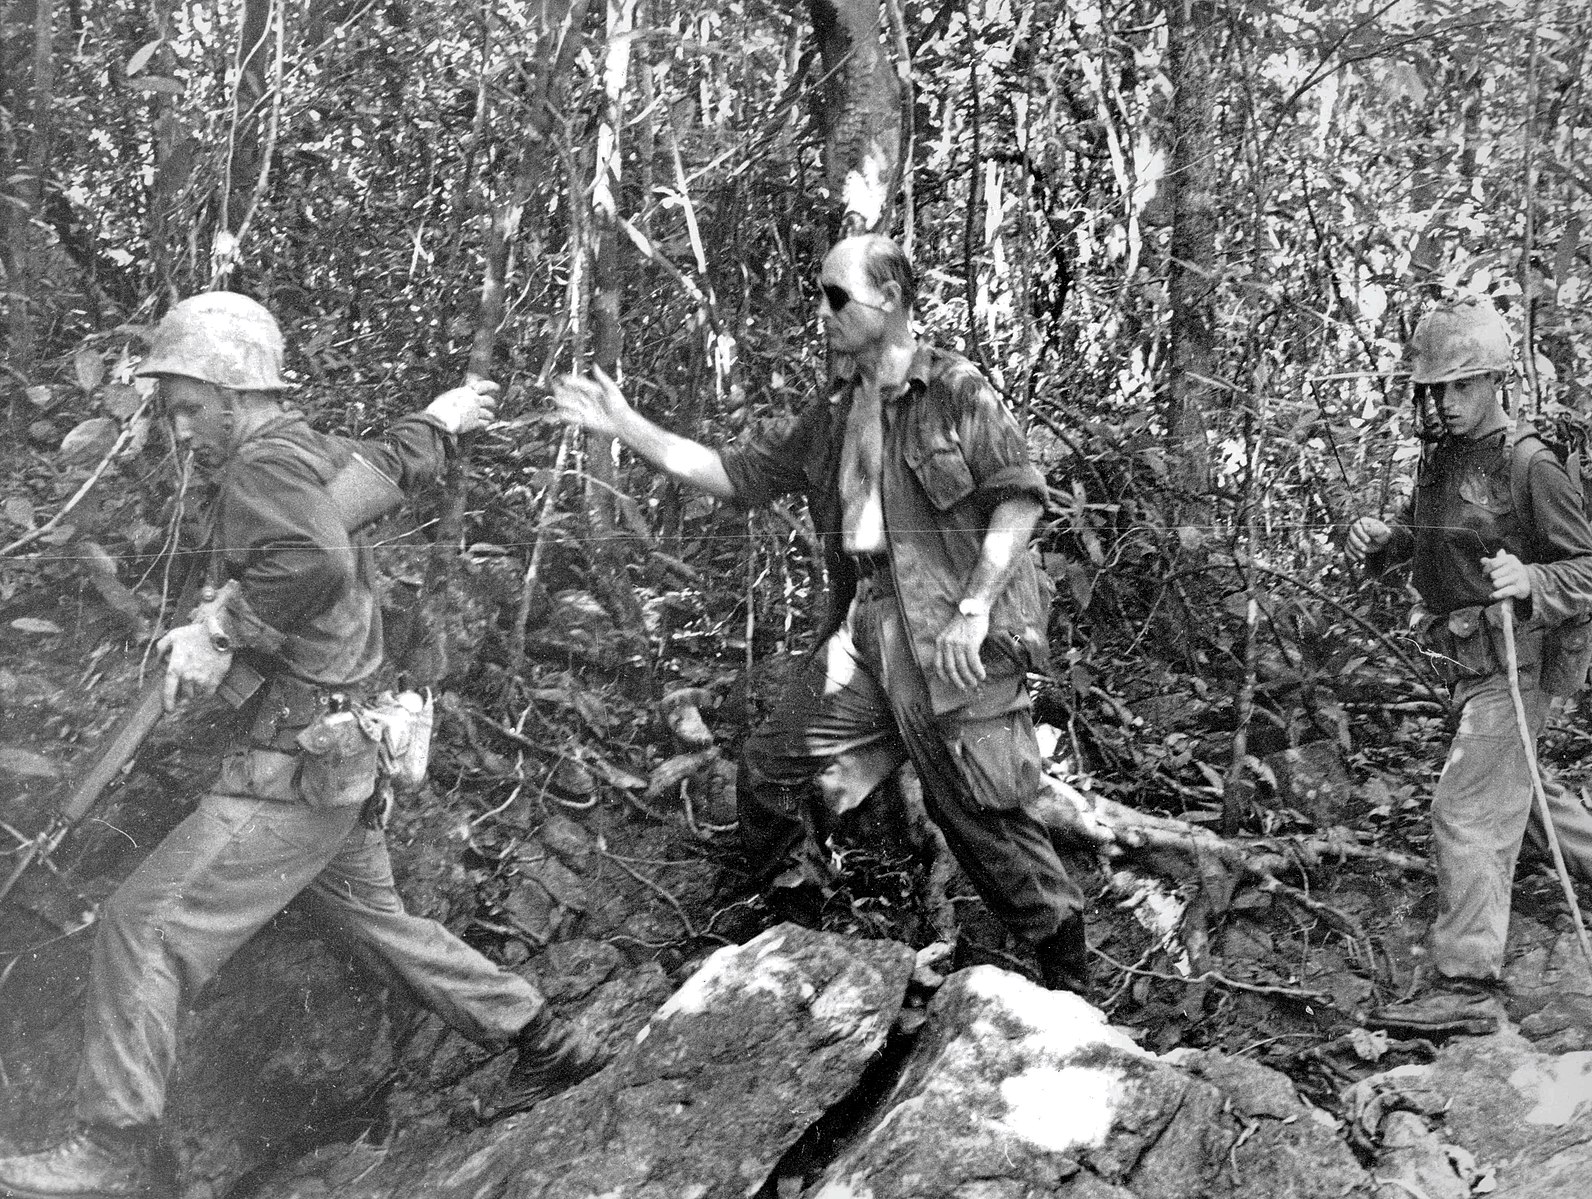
194	665
465	409
594	403
1366	536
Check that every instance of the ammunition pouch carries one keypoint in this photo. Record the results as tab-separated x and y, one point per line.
337	768
1468	643
304	746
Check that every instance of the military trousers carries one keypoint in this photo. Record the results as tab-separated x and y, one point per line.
1482	810
215	880
858	710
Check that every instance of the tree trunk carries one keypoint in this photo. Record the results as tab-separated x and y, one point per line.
860	114
175	148
24	240
609	578
558	43
251	61
1192	271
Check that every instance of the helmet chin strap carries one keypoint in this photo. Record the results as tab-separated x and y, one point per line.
1429	426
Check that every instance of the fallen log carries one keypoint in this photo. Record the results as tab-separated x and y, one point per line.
1087	820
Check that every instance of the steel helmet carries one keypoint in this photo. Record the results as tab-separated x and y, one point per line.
219	337
1464	338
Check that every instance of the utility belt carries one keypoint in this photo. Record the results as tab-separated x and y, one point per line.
1468	643
331	746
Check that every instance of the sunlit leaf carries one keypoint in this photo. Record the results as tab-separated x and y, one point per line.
19	511
89	440
141	57
121	400
35	624
89	367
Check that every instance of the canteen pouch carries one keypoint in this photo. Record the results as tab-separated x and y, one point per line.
338	762
400	726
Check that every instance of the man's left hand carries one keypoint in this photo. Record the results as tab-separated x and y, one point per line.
956	659
465	409
1508	575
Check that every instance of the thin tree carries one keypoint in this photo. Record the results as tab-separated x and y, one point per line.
1191	273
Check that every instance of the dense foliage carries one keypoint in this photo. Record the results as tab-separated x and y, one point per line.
344	162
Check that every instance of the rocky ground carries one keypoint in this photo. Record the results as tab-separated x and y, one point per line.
759	1058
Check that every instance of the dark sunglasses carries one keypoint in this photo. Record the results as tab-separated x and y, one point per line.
838	297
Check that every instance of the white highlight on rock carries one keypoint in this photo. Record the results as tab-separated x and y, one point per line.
1559	1086
1056	1107
1061	1110
728	968
1061	1022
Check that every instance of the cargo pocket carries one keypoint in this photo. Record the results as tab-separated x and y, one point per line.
1005	652
999	759
337	765
936	459
258	773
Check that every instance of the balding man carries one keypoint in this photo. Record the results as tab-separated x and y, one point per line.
919	482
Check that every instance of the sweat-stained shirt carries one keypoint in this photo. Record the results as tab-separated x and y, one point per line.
952	452
1463	511
308	606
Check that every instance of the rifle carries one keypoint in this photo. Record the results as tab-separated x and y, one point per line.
363	494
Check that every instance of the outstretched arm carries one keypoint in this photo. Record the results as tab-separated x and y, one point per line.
598	405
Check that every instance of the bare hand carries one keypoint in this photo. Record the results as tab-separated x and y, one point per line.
194	666
956	659
1366	536
465	409
594	403
1508	575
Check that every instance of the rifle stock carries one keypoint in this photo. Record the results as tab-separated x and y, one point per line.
119	747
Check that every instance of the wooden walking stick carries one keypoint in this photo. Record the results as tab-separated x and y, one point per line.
1512	664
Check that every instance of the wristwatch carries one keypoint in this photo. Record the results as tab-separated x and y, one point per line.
973	606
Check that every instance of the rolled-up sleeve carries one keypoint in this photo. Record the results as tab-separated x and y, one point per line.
772	460
992	443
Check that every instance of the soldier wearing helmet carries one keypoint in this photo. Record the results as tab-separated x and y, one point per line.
1494	519
291	596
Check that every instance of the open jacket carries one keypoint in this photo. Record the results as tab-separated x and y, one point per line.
952	452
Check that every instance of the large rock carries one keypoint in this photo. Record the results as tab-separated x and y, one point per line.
1013	1092
722	1081
1522	1115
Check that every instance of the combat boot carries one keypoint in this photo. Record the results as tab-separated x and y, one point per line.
1449	1005
1064	958
93	1163
553	1056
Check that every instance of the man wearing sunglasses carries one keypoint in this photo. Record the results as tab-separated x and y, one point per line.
919	483
1494	520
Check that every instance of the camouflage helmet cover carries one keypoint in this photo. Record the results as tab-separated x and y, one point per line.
219	337
1457	340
